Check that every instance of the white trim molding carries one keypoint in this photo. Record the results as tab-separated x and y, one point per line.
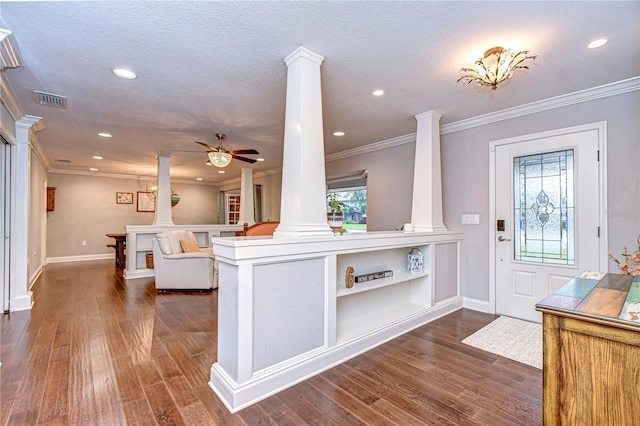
611	89
133	177
477	305
82	258
263	173
376	146
9	99
9	53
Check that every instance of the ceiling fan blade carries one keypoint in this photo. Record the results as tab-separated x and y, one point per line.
209	147
248	160
244	151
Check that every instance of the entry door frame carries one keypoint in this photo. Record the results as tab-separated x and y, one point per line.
5	222
601	128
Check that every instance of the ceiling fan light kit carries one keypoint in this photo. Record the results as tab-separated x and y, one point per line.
220	157
496	65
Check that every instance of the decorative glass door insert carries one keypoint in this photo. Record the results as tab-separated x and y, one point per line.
543	208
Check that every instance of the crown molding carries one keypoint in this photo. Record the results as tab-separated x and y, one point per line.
263	173
9	53
9	99
586	95
123	176
606	90
37	148
376	146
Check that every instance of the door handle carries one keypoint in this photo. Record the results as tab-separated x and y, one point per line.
501	238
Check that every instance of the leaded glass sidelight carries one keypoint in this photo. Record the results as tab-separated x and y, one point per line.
543	208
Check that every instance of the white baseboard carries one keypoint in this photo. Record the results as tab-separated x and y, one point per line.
237	396
140	273
22	303
82	258
478	305
35	277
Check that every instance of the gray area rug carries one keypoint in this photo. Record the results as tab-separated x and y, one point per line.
510	338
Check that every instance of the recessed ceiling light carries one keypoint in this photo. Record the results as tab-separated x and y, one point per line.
597	43
338	133
378	92
124	73
93	169
105	135
97	157
221	171
199	179
259	159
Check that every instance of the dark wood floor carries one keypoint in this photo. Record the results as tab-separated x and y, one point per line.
96	350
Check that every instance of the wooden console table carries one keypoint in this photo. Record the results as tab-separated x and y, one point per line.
592	351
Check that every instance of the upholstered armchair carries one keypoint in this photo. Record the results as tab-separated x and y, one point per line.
180	264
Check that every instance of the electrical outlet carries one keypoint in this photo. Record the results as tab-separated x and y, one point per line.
84	242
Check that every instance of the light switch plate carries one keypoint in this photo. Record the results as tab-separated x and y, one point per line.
470	219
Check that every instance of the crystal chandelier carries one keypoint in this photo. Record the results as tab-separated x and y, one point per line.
497	65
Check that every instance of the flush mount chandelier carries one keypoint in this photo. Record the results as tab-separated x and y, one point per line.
497	65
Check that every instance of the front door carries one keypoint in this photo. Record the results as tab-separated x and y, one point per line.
547	216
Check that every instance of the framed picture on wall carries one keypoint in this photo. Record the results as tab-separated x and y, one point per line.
124	197
144	203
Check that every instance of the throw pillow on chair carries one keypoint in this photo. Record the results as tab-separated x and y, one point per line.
189	246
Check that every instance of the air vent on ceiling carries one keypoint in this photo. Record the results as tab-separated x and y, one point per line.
50	99
63	160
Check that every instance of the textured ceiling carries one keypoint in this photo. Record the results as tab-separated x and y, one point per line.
207	67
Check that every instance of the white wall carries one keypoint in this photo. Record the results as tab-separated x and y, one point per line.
465	176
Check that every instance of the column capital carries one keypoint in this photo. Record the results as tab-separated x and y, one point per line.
429	115
301	52
28	121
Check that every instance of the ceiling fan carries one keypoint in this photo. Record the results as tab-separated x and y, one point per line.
221	157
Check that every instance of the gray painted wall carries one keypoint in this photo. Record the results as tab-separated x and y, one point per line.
37	210
465	176
389	184
86	210
271	190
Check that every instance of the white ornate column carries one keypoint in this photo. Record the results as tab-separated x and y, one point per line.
20	297
426	211
246	197
303	209
163	196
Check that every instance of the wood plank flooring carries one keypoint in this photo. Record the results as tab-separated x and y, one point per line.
99	350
